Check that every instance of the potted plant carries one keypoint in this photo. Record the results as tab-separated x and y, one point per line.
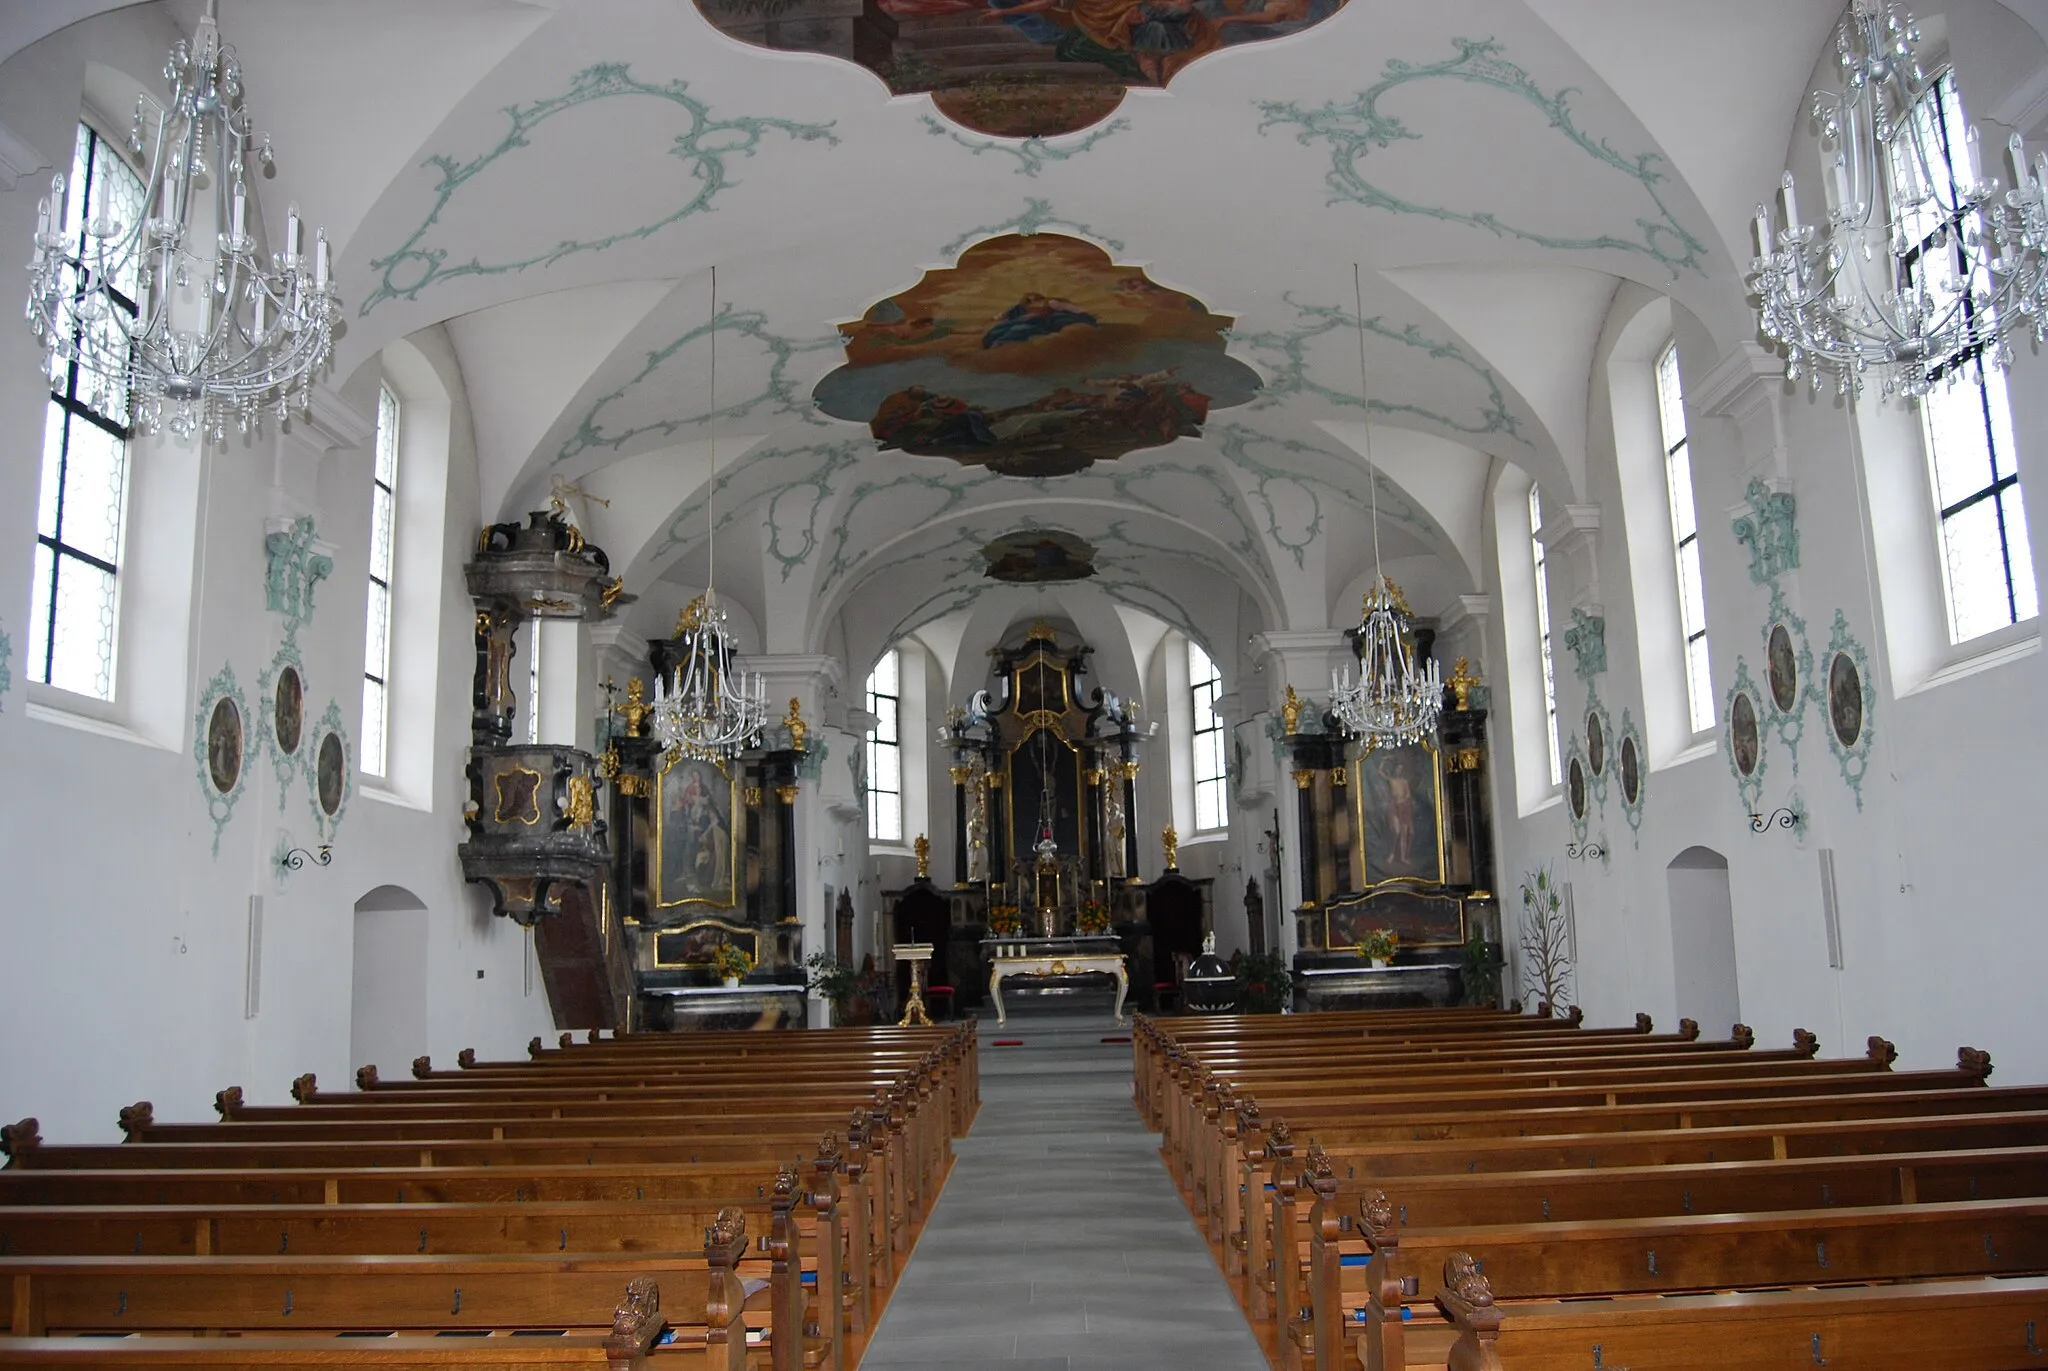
1005	920
1483	962
732	963
838	984
1265	983
1379	946
1093	918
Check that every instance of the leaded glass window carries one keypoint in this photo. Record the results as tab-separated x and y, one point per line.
377	636
885	750
1685	533
1543	634
1206	683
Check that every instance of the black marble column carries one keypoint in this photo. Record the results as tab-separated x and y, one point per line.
960	775
1305	793
1130	778
998	832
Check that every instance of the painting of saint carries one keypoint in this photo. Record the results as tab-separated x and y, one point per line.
1743	742
1845	699
1782	668
1036	356
1575	784
1038	557
330	774
1596	745
224	745
1403	830
288	710
1631	771
694	841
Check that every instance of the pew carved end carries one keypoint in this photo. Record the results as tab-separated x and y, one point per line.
1974	1062
1689	1030
17	1140
136	1119
228	1103
1883	1052
304	1088
1805	1043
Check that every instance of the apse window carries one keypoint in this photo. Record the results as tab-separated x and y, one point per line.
85	456
1685	533
1206	683
377	635
885	750
1543	634
1987	561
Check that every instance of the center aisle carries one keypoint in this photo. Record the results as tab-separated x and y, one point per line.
1058	1243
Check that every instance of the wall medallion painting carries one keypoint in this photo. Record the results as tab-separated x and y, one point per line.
220	745
1035	356
1017	68
1596	744
1400	812
333	764
1038	556
1851	701
224	745
1575	788
1744	736
1744	743
696	839
1782	669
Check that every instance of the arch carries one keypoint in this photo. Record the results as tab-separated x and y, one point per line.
388	982
1703	937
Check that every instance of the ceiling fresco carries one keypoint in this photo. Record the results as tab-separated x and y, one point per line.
1035	356
1039	556
1017	68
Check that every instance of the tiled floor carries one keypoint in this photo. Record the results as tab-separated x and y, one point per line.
1059	1243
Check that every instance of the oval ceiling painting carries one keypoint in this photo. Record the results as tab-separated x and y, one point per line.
1039	556
1016	68
1036	356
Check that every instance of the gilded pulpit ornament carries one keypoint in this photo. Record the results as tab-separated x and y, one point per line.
798	729
636	709
1170	840
923	848
1290	712
582	806
1461	683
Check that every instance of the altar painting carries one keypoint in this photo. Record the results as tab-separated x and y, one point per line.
1059	65
1035	356
1401	815
1419	918
1045	759
696	844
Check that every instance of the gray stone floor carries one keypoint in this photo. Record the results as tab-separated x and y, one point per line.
1059	1244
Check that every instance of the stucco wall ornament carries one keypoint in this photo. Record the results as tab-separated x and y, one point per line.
1587	639
1849	704
293	572
1632	772
1031	155
6	664
1770	531
220	747
1789	684
332	768
1743	736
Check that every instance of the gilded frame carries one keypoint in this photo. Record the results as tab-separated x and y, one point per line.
1356	781
728	896
1344	905
734	933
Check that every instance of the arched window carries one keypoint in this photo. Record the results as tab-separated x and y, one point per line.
1987	561
885	749
377	633
1685	535
84	487
1543	633
1205	683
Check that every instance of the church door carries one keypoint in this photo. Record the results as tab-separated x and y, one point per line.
1703	940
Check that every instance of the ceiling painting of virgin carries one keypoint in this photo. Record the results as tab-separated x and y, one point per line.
1035	356
1016	68
1039	556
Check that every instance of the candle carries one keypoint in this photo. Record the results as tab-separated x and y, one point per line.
1842	205
236	220
291	231
1791	205
1763	231
320	261
2017	151
1971	156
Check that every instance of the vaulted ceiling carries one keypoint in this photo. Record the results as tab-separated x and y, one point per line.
554	182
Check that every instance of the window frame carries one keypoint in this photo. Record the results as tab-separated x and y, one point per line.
1701	712
375	759
1967	372
1207	743
68	401
1541	555
874	743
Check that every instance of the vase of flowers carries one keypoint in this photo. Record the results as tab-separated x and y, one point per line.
732	963
1005	920
1379	946
1093	918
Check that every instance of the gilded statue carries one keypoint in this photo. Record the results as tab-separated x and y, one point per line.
1290	712
1170	839
923	848
798	729
636	709
1461	683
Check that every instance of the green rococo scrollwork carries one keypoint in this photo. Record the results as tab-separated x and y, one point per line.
1032	155
1356	128
1037	216
1283	354
1587	639
220	803
293	572
705	146
777	393
1237	444
1771	533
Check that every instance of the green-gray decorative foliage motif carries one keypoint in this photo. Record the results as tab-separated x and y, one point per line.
776	393
1036	217
703	149
285	762
1849	700
293	570
1283	354
1587	639
1354	129
1771	533
1030	155
1292	524
221	748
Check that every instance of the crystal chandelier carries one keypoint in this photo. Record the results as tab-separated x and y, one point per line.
1921	268
104	293
709	709
1395	702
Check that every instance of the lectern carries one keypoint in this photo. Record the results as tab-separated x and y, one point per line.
917	954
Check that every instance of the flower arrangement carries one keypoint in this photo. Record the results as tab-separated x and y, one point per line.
1379	945
1005	920
731	961
1093	918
